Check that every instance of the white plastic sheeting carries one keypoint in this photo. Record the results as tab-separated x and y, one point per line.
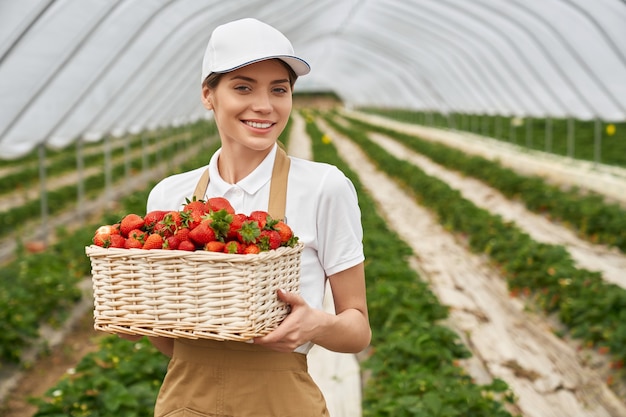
85	68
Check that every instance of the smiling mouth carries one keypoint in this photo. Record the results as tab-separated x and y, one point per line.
258	125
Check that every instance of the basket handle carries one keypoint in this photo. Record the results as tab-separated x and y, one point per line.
278	185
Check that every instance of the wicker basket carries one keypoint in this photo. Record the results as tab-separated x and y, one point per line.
194	295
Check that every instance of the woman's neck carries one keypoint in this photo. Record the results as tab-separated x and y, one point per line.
236	163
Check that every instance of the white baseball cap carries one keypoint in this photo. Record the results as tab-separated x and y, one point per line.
246	41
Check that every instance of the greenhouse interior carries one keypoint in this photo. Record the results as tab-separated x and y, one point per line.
483	141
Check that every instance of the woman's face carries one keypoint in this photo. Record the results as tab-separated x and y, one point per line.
251	105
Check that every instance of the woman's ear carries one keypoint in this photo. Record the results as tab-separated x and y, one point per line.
206	98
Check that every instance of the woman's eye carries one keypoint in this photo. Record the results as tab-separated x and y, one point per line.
281	90
242	88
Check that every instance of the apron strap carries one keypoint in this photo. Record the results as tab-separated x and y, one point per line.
278	186
201	186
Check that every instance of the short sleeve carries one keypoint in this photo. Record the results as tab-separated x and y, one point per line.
340	233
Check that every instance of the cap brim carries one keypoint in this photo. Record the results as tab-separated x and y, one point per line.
299	65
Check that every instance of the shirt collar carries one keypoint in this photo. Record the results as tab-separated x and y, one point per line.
252	183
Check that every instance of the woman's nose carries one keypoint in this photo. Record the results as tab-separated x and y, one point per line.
262	103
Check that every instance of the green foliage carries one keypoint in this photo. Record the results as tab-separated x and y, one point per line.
38	288
120	379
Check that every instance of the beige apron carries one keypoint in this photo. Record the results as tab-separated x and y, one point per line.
236	379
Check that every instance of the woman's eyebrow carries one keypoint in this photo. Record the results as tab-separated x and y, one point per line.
252	80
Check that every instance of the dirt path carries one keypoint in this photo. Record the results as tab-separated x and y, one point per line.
547	373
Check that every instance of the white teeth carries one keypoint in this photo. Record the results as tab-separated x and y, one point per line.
259	125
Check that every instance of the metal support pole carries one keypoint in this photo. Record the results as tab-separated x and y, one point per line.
43	193
108	187
548	134
498	127
144	153
513	130
80	186
127	141
529	132
570	137
597	142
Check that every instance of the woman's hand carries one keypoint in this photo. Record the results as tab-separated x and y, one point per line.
345	331
298	327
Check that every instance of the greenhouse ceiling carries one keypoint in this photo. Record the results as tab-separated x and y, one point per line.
87	68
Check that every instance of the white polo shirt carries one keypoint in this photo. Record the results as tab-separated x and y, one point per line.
322	209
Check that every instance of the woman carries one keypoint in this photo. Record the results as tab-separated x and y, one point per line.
249	71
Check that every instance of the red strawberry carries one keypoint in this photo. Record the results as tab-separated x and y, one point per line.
187	245
102	236
214	246
182	233
248	232
203	233
117	241
268	240
233	246
102	239
132	243
252	249
130	222
235	225
261	217
162	229
194	205
219	203
192	217
284	230
171	243
138	234
152	218
153	241
173	220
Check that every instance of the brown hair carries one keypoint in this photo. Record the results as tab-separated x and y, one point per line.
213	79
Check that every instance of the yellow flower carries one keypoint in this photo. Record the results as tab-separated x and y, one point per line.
610	129
326	139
